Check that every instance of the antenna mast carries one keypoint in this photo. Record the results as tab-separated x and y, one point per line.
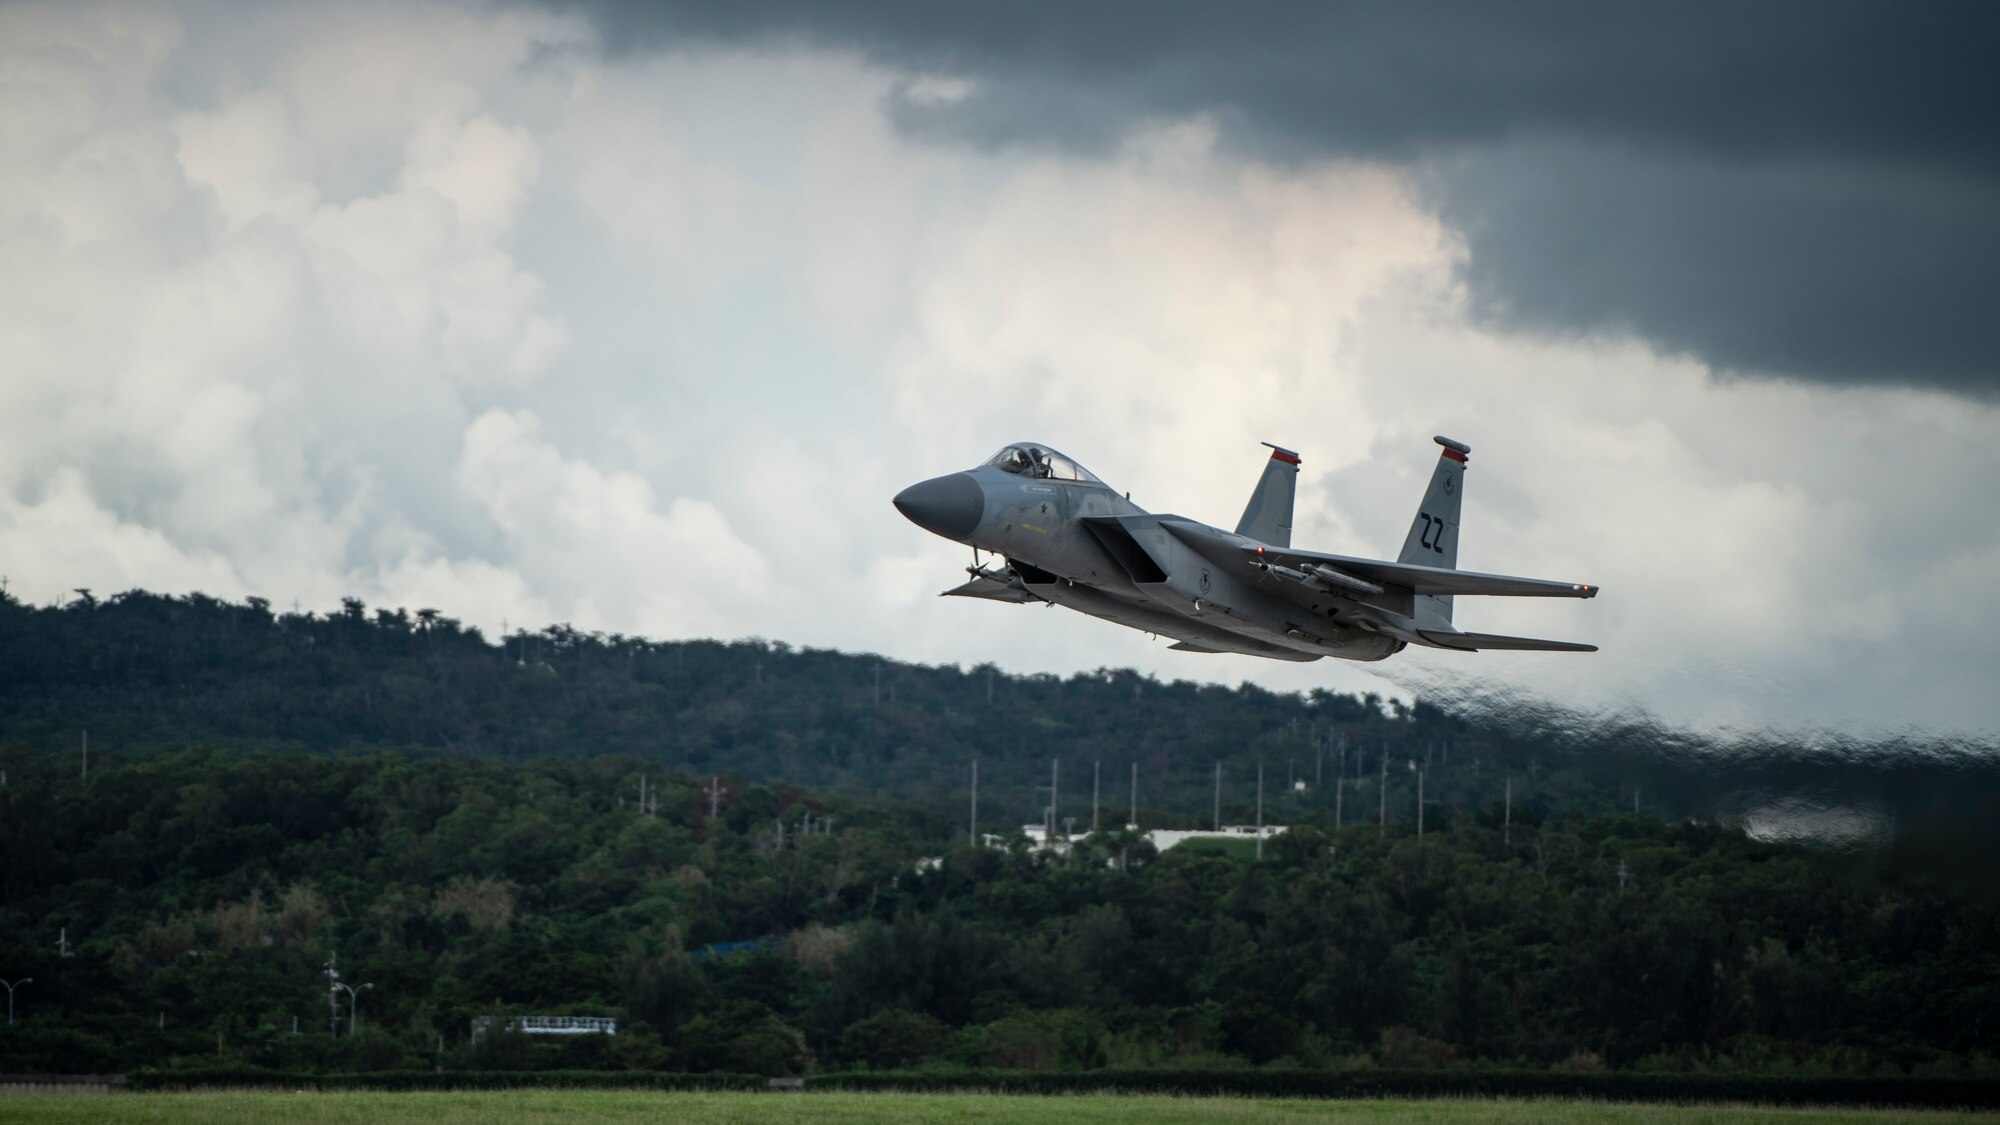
1340	781
1097	778
1382	823
1218	794
1260	810
1055	792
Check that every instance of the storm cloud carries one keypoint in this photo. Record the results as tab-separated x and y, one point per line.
450	306
1807	190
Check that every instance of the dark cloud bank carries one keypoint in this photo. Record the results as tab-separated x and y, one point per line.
1808	190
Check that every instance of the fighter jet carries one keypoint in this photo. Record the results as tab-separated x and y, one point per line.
1063	537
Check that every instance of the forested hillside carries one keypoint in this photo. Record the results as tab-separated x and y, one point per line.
138	673
561	823
203	892
142	672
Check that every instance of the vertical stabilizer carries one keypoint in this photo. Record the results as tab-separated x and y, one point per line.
1268	516
1433	538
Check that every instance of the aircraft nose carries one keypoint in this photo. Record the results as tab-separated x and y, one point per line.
950	506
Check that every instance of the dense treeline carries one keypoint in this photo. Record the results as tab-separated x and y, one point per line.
204	891
141	672
563	823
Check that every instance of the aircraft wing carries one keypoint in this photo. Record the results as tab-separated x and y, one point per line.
991	590
1424	579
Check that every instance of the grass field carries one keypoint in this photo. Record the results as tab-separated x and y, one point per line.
818	1108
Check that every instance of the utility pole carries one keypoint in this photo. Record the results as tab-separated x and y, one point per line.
714	797
1340	780
975	802
1134	820
1420	802
1260	810
1218	794
10	996
1096	777
332	995
1055	792
1339	791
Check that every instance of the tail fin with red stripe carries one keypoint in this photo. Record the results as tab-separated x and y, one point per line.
1268	516
1433	538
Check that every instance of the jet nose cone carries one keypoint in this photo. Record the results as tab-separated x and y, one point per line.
950	506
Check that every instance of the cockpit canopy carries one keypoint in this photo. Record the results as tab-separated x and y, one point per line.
1039	461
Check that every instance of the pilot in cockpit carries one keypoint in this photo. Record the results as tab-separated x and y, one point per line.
1029	462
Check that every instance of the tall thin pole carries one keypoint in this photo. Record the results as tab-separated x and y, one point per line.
974	829
1134	822
1260	810
1096	779
1382	824
1055	793
332	994
1218	794
10	996
1340	781
1319	762
1420	803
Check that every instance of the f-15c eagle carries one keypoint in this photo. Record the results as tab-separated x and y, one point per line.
1067	539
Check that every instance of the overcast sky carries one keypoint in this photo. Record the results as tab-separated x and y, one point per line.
635	317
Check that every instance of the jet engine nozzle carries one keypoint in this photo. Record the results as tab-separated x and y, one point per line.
950	505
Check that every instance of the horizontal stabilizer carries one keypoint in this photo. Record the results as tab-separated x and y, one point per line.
1431	579
991	590
1473	642
1183	646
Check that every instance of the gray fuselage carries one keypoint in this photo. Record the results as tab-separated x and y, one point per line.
1079	544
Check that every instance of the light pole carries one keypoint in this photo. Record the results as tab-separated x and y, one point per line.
353	1003
10	996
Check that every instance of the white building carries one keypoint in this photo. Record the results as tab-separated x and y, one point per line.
551	1025
1161	838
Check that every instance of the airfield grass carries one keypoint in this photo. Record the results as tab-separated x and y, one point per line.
817	1108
